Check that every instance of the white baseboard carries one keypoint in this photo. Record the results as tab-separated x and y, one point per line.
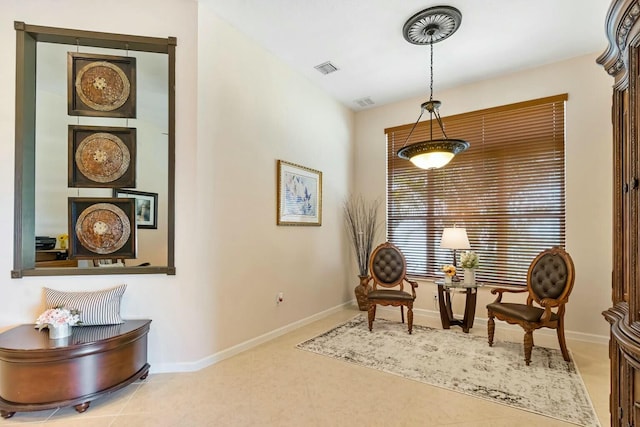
430	314
157	368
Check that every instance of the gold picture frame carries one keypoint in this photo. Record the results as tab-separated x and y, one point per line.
299	195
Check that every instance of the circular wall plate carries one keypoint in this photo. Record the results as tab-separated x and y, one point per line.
102	157
103	228
432	25
102	86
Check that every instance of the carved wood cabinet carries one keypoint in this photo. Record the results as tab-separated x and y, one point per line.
621	61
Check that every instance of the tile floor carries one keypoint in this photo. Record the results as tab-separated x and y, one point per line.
275	384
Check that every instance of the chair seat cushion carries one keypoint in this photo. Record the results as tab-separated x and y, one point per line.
519	311
391	294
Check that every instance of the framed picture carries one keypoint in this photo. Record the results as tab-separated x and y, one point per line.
101	156
299	195
101	85
101	228
146	206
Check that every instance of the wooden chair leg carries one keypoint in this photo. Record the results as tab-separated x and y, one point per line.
402	313
491	327
528	345
372	315
410	318
563	344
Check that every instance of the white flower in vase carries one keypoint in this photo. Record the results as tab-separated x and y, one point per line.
469	259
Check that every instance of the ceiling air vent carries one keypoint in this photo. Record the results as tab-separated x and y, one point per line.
326	68
364	102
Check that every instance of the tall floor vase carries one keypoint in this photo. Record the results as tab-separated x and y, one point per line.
361	291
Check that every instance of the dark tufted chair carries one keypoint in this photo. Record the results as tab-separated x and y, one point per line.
387	269
549	283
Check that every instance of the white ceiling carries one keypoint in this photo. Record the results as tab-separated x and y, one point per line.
363	38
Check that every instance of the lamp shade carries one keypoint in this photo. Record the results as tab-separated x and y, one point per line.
455	238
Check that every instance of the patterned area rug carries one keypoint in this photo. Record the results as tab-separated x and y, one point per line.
464	363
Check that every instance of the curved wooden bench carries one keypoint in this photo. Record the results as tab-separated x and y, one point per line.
37	373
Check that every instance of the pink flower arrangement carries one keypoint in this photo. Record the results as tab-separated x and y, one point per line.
58	316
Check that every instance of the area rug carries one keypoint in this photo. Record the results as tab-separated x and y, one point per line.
464	363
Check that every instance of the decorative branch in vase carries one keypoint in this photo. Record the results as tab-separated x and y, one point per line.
361	217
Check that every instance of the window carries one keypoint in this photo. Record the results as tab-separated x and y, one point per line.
507	189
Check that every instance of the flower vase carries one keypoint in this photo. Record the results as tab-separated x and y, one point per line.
469	276
61	331
361	291
447	280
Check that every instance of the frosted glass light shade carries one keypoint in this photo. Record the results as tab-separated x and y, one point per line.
432	160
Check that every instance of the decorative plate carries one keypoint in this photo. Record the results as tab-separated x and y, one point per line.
102	86
102	157
103	228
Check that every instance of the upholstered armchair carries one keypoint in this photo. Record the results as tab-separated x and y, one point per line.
549	283
387	271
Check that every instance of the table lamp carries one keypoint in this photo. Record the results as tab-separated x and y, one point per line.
455	238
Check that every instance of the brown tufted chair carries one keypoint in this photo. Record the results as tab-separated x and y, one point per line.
549	283
388	269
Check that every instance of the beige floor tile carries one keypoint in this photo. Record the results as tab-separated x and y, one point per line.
81	420
28	417
111	404
276	384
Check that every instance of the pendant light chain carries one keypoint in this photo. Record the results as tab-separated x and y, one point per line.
431	69
431	111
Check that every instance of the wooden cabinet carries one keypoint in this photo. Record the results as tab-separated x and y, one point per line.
38	373
621	61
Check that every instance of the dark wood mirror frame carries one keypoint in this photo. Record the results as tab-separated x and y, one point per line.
27	39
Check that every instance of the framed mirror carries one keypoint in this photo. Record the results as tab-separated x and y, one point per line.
59	124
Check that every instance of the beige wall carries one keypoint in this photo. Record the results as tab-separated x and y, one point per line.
238	111
588	169
254	110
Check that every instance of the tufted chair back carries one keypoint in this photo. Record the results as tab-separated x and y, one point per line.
550	276
388	267
549	283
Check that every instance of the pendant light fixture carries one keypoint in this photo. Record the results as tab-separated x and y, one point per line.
428	27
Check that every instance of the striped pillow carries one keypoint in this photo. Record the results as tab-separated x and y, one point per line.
96	308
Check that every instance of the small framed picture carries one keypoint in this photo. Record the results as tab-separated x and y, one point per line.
146	206
299	195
